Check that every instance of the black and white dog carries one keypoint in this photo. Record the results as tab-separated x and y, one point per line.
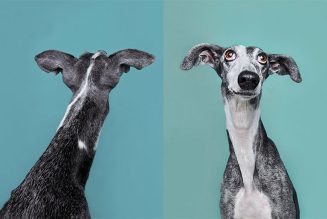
256	183
54	187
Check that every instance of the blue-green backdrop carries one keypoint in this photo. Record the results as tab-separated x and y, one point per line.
196	147
164	148
126	179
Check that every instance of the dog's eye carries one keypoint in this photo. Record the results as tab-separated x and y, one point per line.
262	58
230	55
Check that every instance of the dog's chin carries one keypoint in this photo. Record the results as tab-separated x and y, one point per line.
246	95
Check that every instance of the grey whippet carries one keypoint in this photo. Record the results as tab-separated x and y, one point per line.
54	187
256	183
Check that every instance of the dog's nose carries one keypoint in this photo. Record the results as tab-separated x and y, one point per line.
248	80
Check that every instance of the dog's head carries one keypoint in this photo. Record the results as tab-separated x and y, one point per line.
96	70
242	69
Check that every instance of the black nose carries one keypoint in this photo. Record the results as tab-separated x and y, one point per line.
248	80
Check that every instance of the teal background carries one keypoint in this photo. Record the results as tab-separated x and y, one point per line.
126	179
163	148
196	147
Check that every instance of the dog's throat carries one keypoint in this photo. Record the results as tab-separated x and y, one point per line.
242	120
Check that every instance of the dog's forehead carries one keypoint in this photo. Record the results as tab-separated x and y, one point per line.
88	55
87	58
246	50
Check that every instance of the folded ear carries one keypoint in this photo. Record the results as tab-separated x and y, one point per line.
57	61
284	65
203	54
131	58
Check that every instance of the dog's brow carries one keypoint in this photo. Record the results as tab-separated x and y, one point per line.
250	49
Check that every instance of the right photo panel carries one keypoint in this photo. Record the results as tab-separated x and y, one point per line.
244	109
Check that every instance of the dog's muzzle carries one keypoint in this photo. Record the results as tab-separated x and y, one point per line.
248	80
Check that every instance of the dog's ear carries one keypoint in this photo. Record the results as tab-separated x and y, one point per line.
120	62
284	65
205	54
56	61
127	58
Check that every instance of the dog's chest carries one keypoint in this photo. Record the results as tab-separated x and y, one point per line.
249	202
251	205
242	126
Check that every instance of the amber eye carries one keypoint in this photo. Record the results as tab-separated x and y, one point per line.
262	58
230	55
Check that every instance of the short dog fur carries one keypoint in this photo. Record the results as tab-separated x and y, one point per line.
256	184
54	187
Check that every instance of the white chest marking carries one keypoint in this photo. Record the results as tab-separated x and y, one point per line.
242	124
252	205
82	145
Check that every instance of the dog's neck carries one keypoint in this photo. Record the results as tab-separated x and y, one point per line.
242	121
74	145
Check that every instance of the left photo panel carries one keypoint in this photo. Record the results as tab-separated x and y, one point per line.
82	113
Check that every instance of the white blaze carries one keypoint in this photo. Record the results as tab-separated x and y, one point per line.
81	95
82	90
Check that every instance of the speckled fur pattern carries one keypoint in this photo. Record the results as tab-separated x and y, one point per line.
54	187
270	178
